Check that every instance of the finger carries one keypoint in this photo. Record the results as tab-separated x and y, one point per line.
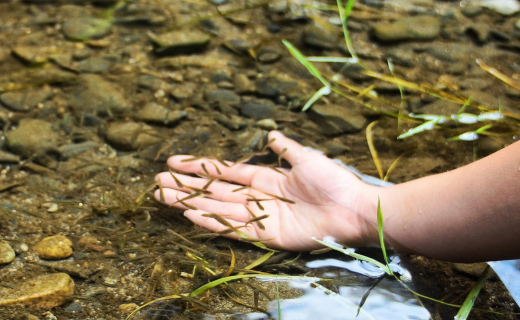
293	150
201	218
218	190
178	199
237	172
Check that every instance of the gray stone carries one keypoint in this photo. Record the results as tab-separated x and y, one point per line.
273	87
319	38
25	100
257	110
450	51
146	81
225	97
242	83
81	29
180	42
7	254
131	135
335	148
156	113
336	119
268	55
239	45
7	157
73	149
97	95
423	27
232	122
32	137
54	248
402	56
100	64
184	91
44	291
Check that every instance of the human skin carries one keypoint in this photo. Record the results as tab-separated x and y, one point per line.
468	214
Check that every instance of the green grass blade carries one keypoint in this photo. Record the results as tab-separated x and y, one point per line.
278	306
333	59
428	125
350	252
343	15
303	60
318	94
217	282
381	233
472	296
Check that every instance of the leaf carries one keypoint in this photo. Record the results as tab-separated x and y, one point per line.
303	60
350	252
472	296
318	94
372	148
381	233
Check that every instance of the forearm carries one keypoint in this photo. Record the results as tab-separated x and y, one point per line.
468	214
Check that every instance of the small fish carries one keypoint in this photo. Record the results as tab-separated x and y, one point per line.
258	222
200	191
177	181
244	159
222	162
161	192
191	159
240	189
254	199
222	221
210	181
280	155
280	198
182	201
264	149
216	168
203	165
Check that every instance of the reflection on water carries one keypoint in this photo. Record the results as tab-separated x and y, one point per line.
509	272
381	304
388	300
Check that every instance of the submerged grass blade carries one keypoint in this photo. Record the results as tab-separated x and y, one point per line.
350	252
318	94
217	282
344	13
381	233
278	306
470	299
373	151
303	60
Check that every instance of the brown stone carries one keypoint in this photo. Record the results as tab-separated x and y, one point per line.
54	247
45	291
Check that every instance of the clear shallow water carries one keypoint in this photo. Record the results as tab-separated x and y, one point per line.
351	279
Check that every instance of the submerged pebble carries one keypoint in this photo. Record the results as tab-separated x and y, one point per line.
54	248
7	253
43	291
423	27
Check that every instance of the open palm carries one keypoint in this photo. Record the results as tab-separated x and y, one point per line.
283	208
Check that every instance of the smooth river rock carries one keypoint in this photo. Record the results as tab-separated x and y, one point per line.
423	27
97	95
54	248
131	135
336	119
32	136
7	254
44	291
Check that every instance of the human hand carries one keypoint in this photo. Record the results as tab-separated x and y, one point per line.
315	198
